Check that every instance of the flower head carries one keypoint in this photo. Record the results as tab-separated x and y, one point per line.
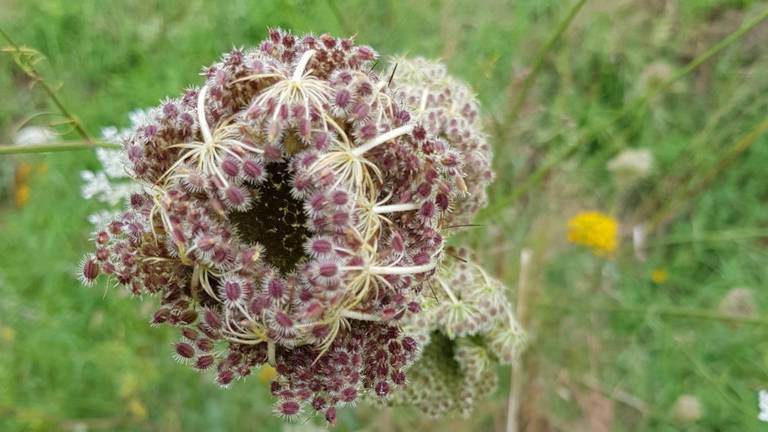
687	409
289	212
659	276
447	108
738	302
595	230
633	163
762	396
466	328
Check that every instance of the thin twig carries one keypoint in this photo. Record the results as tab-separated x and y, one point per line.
704	314
37	78
625	398
717	236
539	61
700	369
617	395
56	147
521	310
684	197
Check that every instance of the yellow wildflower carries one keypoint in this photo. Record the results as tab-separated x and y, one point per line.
137	409
266	374
31	419
7	334
22	194
129	385
659	276
23	170
595	230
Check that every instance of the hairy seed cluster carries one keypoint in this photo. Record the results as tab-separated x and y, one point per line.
291	212
448	109
467	328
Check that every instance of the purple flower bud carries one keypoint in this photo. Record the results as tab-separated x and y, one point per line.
232	291
329	269
230	167
189	333
382	388
330	415
348	394
225	377
236	197
90	270
204	362
212	319
343	98
185	350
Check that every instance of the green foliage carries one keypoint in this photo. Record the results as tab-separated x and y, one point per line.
75	355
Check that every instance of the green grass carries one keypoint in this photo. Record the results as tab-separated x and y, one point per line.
87	355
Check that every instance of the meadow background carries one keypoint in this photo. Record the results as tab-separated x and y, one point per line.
615	342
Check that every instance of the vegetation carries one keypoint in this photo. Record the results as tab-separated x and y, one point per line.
617	339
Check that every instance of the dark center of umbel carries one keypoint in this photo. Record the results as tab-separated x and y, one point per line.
276	220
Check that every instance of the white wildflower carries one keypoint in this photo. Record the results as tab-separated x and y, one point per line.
33	135
635	163
638	241
103	217
687	409
115	163
112	185
763	405
738	302
99	186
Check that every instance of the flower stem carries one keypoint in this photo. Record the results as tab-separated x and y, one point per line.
670	208
360	316
205	131
405	270
30	70
447	290
539	61
673	311
517	375
56	147
381	139
299	72
392	208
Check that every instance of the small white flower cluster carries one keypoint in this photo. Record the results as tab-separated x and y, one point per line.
763	405
34	135
112	185
634	163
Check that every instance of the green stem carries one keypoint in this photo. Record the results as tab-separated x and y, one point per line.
675	311
56	147
679	203
37	78
727	235
539	61
536	177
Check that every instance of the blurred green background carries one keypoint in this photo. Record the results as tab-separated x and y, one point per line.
669	337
